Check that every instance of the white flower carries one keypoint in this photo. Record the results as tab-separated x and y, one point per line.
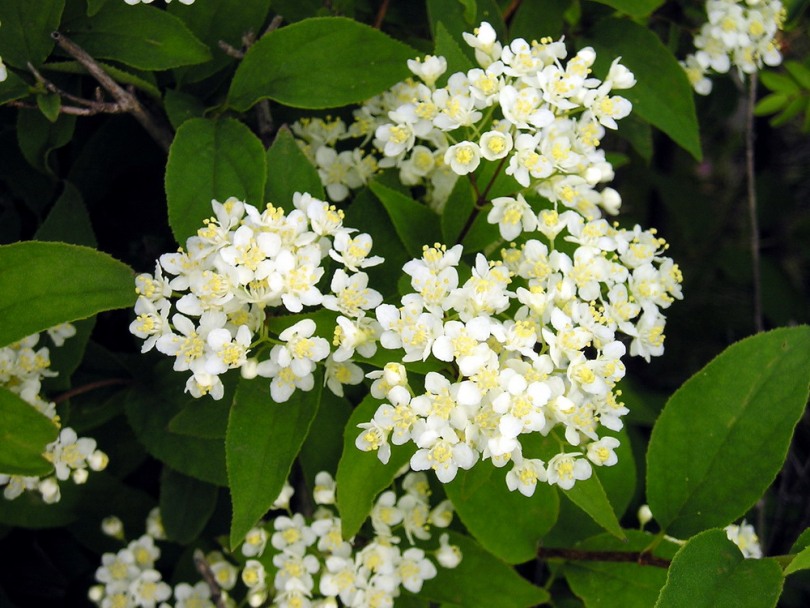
3	71
255	541
324	491
463	157
352	294
353	252
448	556
601	452
745	538
566	469
495	145
484	41
513	216
428	69
525	474
149	589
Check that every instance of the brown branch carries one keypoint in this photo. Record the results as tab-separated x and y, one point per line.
640	558
381	12
99	107
91	386
208	576
511	9
130	104
759	323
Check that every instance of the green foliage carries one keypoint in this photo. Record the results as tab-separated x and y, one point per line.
24	433
27	28
415	224
289	171
186	504
589	495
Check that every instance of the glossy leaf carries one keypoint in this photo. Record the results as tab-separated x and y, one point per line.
181	107
481	581
589	495
24	434
186	504
289	171
203	418
662	94
710	571
360	475
800	562
323	62
26	31
415	224
139	36
262	442
324	445
45	284
740	408
507	524
211	159
447	47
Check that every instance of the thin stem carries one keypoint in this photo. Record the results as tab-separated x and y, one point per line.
511	9
381	12
99	107
752	203
128	102
641	558
208	576
91	386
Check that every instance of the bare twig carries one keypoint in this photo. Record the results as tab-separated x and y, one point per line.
91	386
510	10
640	558
274	25
208	576
128	102
752	203
96	108
231	51
381	12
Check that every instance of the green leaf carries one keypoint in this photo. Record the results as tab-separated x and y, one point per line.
94	6
203	418
799	71
143	81
415	224
45	284
618	585
13	87
38	137
211	159
360	475
481	580
49	104
323	447
24	434
26	31
68	220
317	63
507	524
289	171
740	408
779	83
455	16
662	94
533	20
457	210
791	111
139	36
770	104
709	571
448	47
800	562
589	495
186	505
262	442
802	542
181	107
634	8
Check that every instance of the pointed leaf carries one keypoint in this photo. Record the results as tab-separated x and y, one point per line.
186	505
207	419
415	224
45	284
589	495
710	571
448	47
24	434
740	408
262	442
289	171
211	159
324	62
800	562
634	8
26	31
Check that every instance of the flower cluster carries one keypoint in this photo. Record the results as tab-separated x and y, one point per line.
243	263
22	368
739	33
520	108
530	343
293	561
745	537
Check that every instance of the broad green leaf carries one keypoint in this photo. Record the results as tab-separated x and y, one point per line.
324	445
457	19
634	8
49	104
203	418
181	107
457	210
186	505
211	159
799	71
13	87
448	47
24	434
534	20
26	30
38	137
289	171
779	83
802	542
662	94
139	36
507	524
481	581
589	495
710	571
800	562
609	584
143	81
45	284
740	408
94	6
151	405
323	62
790	112
415	224
262	442
360	475
68	220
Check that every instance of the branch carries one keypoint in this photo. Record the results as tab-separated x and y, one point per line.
98	107
752	202
378	20
128	102
86	388
208	576
640	558
510	10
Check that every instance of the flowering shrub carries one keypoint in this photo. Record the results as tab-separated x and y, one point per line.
387	268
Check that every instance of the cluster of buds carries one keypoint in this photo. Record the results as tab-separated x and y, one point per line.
520	108
293	561
738	33
22	369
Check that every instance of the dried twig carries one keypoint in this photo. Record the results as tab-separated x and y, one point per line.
381	12
208	576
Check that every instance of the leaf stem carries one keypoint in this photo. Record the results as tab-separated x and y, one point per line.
90	386
642	558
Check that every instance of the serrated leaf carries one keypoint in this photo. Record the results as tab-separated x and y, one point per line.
24	434
709	571
139	36
415	224
481	581
533	20
262	442
741	407
68	220
324	445
186	505
289	171
45	284
446	46
800	562
507	524
589	495
26	31
360	475
211	159
324	62
634	8
38	137
802	542
662	94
